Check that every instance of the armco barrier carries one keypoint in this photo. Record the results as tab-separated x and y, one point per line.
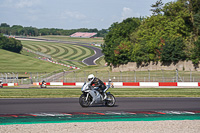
60	83
10	84
133	84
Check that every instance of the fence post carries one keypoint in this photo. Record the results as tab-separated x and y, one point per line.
190	75
17	78
74	76
149	75
37	77
31	78
121	76
162	75
176	75
2	77
63	76
127	78
6	77
135	75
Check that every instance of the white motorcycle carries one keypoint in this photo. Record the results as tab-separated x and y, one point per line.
43	85
91	95
1	85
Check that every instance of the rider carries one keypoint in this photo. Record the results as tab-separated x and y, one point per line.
100	86
1	84
43	83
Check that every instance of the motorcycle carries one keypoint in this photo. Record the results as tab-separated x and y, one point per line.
91	95
43	85
1	85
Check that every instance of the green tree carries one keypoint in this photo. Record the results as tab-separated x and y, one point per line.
173	22
140	53
157	7
17	29
196	52
119	34
173	50
4	25
197	23
10	44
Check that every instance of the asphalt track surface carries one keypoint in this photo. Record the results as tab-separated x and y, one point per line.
88	61
58	105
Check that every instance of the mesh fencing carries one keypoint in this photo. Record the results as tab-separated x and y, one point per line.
81	76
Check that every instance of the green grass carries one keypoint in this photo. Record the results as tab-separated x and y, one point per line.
13	62
65	53
101	61
117	92
76	39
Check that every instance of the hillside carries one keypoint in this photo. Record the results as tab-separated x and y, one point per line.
13	62
64	53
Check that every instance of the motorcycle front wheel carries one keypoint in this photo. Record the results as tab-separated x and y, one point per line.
83	102
110	101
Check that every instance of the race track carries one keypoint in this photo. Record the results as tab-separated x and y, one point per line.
88	61
57	105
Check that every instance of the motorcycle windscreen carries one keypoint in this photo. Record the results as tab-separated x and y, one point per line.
84	87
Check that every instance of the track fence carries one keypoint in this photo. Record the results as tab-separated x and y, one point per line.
81	76
135	76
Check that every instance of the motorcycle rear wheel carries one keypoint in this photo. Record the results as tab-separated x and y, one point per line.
110	101
83	102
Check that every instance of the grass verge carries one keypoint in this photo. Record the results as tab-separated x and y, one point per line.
13	62
117	92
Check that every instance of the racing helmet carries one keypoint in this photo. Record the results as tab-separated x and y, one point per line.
90	77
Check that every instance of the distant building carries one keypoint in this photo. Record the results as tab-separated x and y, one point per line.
83	34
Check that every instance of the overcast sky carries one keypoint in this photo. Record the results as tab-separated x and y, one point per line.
72	14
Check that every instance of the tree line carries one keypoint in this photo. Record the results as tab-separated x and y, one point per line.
10	44
170	34
32	31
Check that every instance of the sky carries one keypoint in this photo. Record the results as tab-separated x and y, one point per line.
72	14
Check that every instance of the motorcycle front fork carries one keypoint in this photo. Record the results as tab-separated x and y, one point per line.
87	96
